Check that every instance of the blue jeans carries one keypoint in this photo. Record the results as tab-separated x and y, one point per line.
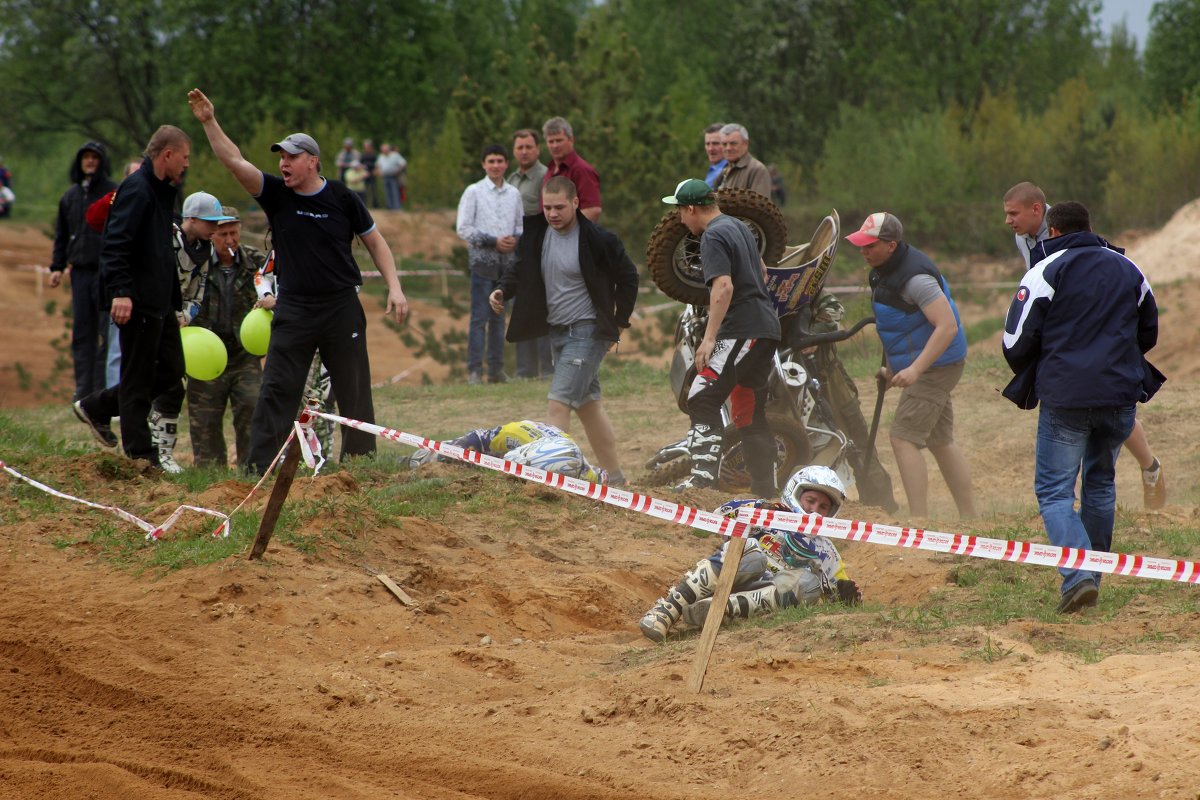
1067	439
391	191
112	370
534	359
485	324
89	332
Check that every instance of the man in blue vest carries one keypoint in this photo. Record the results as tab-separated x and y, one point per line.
925	350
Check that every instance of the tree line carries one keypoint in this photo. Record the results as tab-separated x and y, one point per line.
930	108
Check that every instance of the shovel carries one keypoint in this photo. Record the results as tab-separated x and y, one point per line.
880	388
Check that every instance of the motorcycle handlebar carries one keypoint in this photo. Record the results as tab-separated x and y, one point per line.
816	339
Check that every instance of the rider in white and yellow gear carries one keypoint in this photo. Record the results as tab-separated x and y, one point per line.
777	570
515	441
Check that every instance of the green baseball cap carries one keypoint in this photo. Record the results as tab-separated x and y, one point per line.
692	192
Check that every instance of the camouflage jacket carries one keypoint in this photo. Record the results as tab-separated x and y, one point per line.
228	296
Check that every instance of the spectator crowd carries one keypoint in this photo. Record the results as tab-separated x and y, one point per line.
546	275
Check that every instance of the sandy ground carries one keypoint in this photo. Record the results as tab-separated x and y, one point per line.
301	677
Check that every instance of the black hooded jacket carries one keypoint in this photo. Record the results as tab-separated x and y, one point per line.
137	258
75	243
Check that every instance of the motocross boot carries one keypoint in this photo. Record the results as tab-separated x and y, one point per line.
790	588
740	605
163	432
696	585
704	447
759	452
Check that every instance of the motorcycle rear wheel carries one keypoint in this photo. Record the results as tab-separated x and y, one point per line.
791	447
673	252
670	472
792	451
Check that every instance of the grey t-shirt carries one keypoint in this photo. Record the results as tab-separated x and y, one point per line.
727	247
567	297
921	290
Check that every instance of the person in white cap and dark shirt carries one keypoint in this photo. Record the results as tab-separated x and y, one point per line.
202	213
314	223
925	349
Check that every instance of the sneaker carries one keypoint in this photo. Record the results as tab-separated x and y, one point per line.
474	379
655	625
1080	596
498	377
1154	487
103	433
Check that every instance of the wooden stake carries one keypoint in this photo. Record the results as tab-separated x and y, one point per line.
716	612
395	589
283	484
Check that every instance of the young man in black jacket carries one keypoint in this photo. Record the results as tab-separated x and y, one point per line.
77	246
574	281
137	265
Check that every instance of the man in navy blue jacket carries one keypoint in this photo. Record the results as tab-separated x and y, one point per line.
1076	336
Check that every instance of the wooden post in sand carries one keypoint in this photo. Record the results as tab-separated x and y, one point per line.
283	484
716	611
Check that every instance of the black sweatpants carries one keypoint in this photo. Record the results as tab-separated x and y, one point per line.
151	363
89	330
336	326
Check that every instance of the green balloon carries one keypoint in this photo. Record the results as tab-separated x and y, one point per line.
204	355
256	331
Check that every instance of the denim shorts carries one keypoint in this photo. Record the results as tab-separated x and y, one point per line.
577	358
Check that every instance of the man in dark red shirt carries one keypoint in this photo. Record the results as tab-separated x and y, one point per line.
560	141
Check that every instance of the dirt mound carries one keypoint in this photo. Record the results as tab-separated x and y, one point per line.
1164	255
426	235
521	675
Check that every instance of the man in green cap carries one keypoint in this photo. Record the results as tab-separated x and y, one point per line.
734	358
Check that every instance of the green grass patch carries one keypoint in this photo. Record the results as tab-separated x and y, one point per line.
982	329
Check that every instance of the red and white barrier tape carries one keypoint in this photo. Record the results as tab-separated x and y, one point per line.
643	504
310	446
1022	552
153	532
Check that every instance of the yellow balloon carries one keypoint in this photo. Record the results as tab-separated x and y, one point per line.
204	355
256	331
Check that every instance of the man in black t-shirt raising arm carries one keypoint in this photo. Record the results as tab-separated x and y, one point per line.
314	221
735	356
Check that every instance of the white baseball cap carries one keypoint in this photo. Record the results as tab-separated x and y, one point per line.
203	205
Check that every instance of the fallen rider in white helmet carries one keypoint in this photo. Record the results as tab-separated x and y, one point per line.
526	442
778	569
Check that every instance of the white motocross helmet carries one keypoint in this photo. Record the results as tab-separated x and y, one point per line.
552	454
823	480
